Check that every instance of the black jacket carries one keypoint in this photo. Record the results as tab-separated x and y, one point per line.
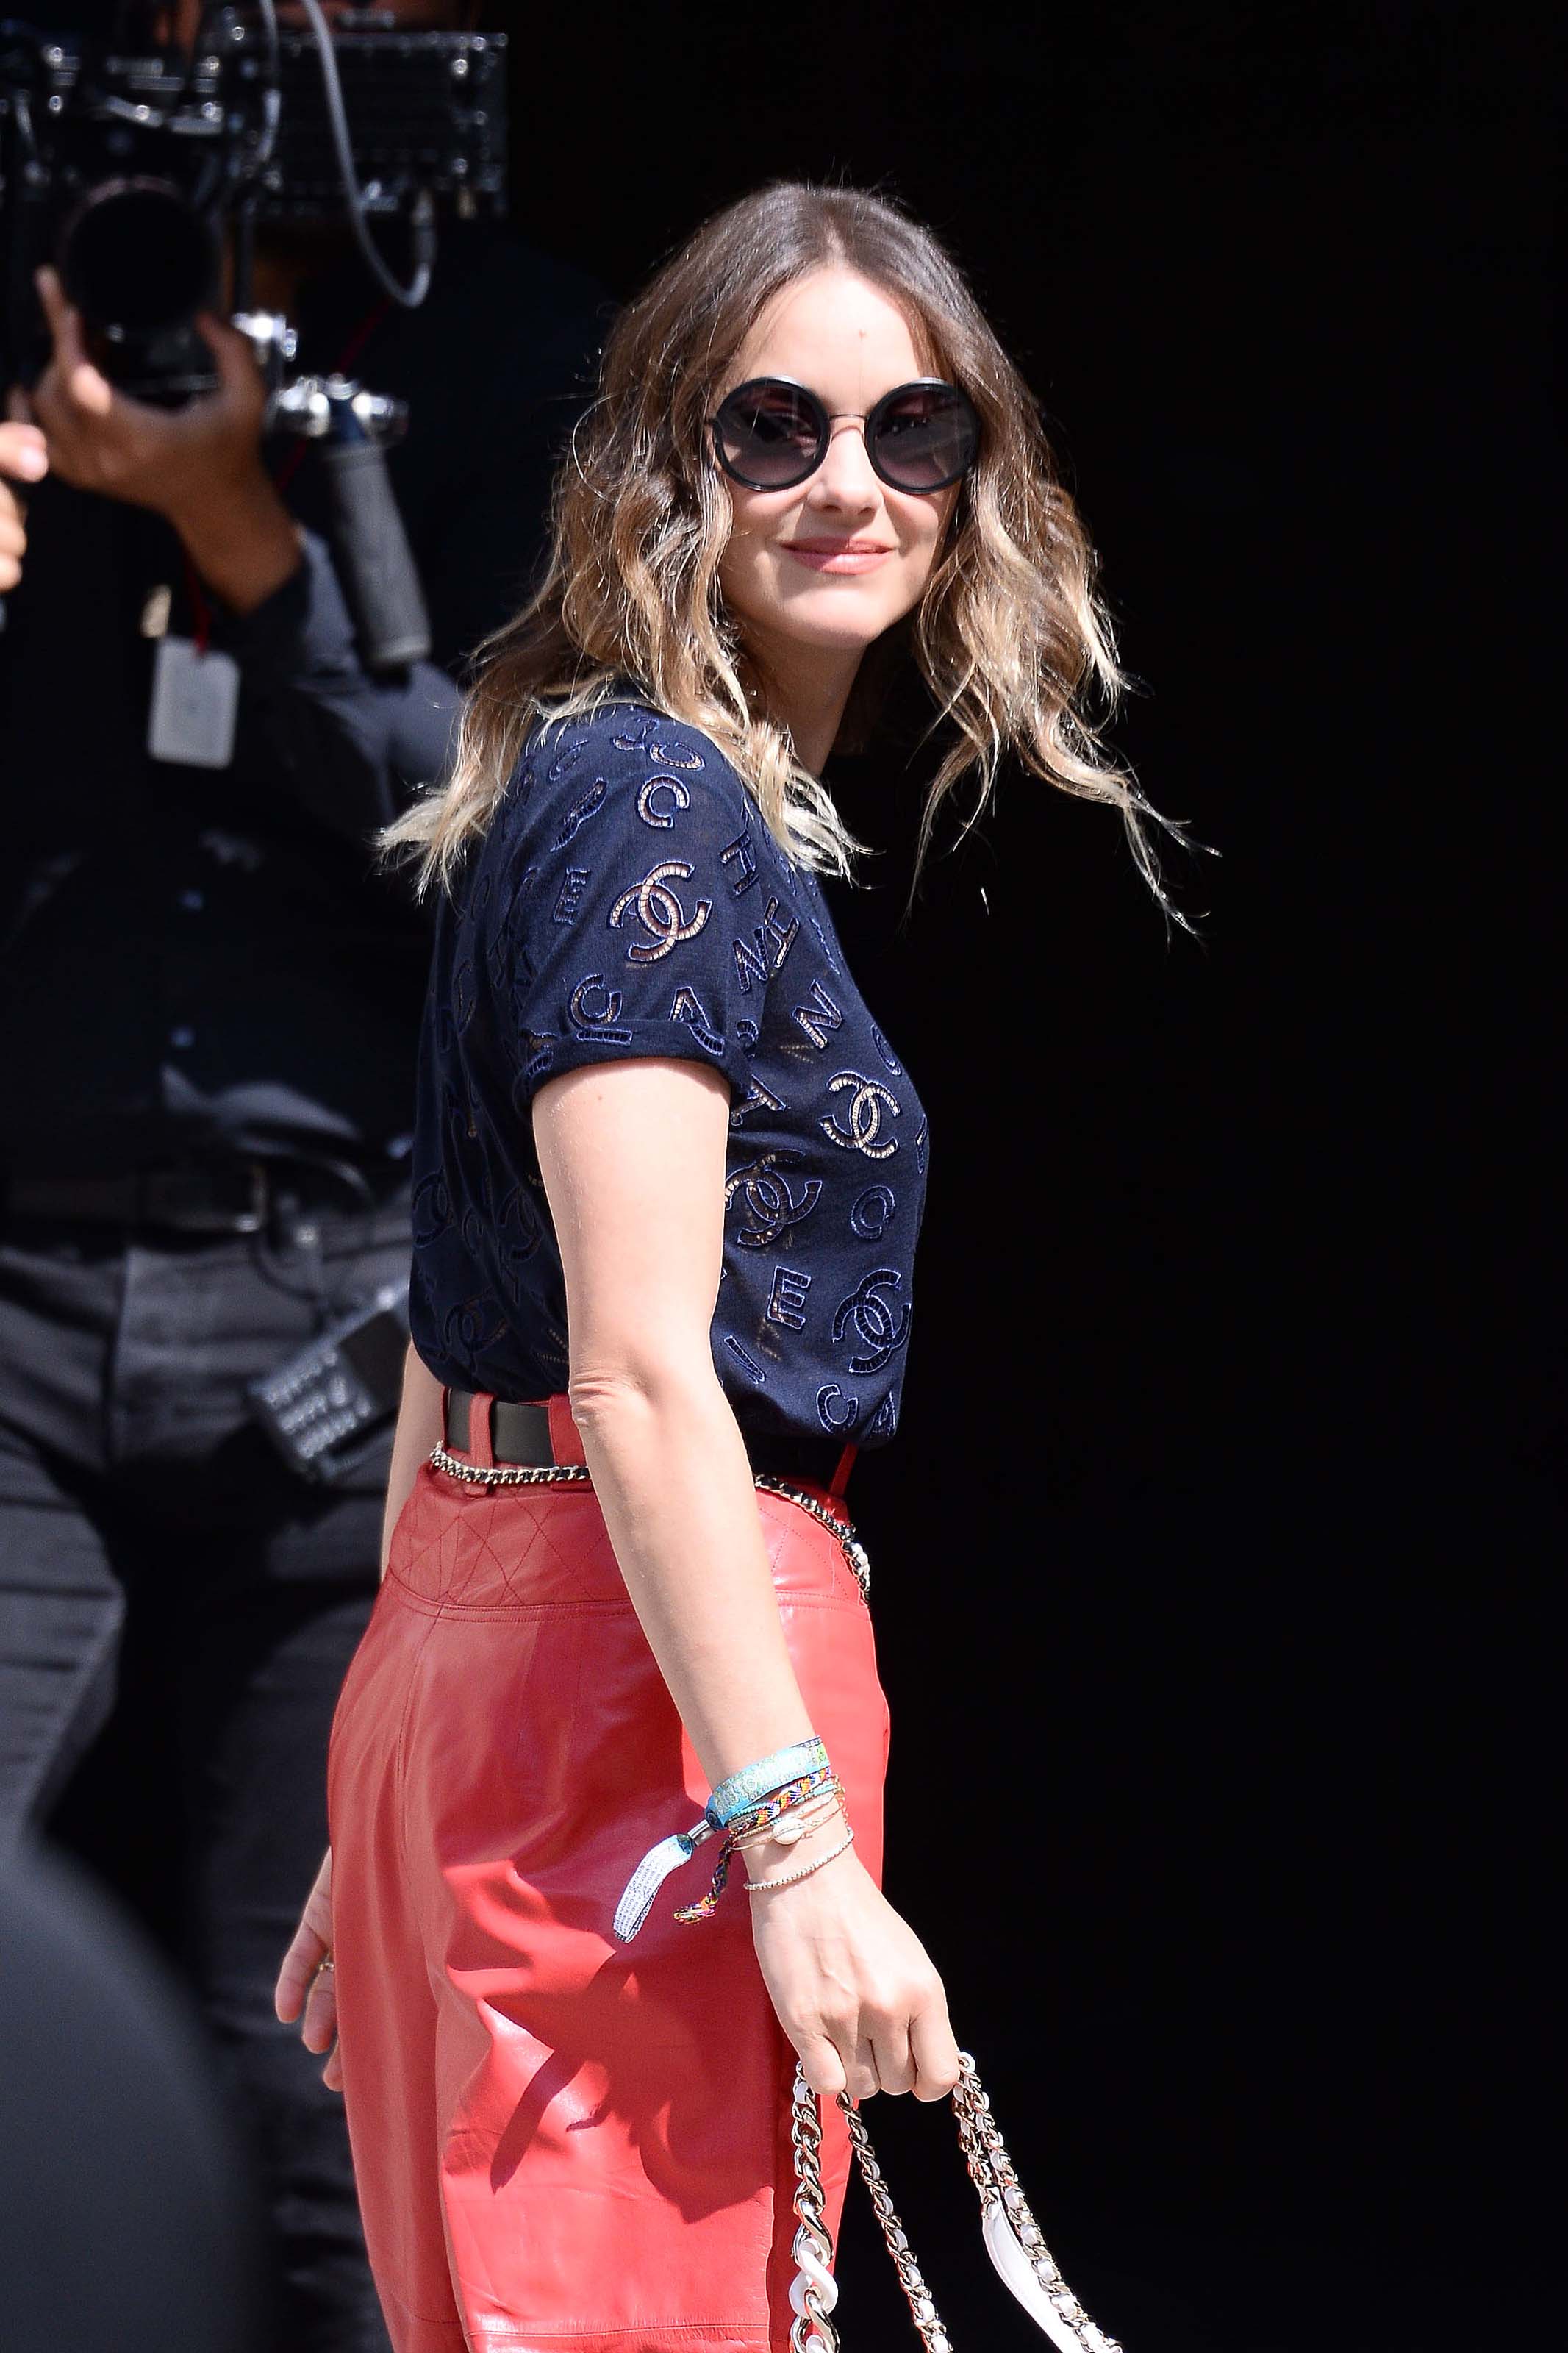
196	960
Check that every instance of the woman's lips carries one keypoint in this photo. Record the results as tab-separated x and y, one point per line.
837	554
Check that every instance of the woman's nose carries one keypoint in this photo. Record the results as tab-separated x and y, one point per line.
845	477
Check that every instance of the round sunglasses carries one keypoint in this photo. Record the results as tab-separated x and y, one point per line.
771	435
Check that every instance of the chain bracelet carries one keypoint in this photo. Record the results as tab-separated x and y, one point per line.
992	2171
816	2291
567	1475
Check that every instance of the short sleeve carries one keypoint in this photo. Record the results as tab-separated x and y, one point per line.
636	843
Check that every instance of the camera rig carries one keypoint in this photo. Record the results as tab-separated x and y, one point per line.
130	173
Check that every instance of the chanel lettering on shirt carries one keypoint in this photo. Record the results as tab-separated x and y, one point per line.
629	900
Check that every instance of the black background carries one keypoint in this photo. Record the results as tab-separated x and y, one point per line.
1210	1556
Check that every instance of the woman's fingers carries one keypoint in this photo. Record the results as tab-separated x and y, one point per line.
310	1945
861	2080
303	1958
307	1981
883	2061
823	2066
319	2029
890	2058
933	2052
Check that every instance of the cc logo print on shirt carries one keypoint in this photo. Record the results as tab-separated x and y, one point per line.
660	911
657	814
770	1205
880	1325
864	1111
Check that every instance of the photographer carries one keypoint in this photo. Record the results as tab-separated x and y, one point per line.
208	1004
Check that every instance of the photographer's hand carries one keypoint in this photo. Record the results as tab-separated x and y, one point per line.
24	458
199	466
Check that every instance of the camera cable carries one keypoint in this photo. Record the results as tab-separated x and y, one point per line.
424	214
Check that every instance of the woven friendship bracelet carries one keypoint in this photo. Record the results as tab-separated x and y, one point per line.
808	1816
763	1815
802	1766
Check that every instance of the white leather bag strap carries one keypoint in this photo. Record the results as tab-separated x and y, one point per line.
1012	2236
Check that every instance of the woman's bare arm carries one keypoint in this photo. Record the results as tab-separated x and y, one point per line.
633	1159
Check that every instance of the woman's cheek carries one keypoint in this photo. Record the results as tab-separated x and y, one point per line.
738	580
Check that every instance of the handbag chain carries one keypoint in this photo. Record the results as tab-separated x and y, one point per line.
1045	2295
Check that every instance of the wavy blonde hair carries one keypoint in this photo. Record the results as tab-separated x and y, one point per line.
1009	635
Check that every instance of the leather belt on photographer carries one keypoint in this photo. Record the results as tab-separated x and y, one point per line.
196	1196
519	1438
228	1197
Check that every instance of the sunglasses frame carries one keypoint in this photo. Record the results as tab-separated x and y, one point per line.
870	421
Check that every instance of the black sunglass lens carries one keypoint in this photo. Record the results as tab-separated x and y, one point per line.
926	438
769	435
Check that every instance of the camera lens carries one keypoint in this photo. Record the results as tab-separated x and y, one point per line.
134	257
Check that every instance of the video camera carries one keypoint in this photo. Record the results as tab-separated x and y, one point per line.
130	171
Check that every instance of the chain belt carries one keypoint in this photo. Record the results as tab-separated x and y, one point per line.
570	1474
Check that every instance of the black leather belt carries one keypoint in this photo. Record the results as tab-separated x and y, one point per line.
228	1197
520	1435
197	1197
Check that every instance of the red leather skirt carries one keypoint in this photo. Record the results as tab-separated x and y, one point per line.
559	2140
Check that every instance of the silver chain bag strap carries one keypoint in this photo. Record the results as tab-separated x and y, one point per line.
1012	2235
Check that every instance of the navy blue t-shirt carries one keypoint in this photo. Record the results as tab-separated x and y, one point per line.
629	900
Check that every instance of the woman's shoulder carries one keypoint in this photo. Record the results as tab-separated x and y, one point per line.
622	780
627	741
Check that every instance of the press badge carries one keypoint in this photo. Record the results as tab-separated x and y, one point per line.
195	699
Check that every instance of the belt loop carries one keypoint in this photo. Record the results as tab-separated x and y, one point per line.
846	1463
565	1438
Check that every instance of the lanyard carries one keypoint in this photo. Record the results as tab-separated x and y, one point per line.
201	612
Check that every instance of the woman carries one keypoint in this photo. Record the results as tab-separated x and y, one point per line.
670	1176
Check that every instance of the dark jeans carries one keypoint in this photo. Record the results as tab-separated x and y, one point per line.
177	1610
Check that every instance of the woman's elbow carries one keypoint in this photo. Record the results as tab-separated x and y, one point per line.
639	1385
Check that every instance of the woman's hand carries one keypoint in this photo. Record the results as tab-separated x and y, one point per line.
305	1981
853	1986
